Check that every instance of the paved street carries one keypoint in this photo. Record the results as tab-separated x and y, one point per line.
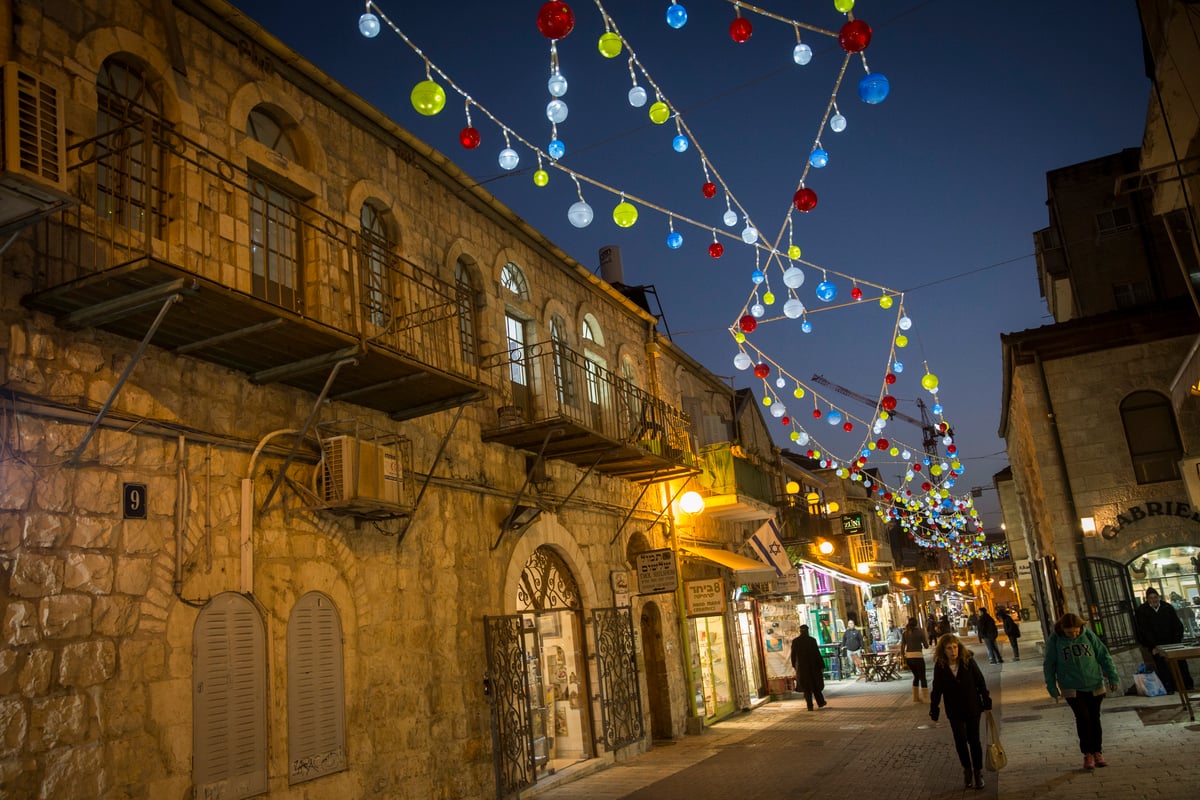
873	741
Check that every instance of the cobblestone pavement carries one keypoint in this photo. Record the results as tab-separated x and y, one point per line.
873	741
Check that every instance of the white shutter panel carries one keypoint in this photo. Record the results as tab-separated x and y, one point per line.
316	695
229	699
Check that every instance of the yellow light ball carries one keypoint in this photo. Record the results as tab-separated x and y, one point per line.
816	454
843	5
885	416
871	445
625	214
739	337
767	400
935	470
768	298
792	487
929	381
793	252
902	341
895	451
541	178
794	436
609	45
659	112
956	465
885	302
428	98
799	392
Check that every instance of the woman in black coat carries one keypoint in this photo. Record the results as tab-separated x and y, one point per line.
810	668
958	681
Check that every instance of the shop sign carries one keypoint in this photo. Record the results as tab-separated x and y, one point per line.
1151	508
620	587
1024	569
656	572
704	598
852	523
879	589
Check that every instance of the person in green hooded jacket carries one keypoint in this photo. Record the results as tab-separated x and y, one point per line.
1076	666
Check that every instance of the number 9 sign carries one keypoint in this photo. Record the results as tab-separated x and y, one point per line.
134	500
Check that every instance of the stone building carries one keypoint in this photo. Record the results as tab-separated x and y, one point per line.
324	474
1097	415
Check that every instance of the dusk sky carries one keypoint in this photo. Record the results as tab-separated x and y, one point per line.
935	192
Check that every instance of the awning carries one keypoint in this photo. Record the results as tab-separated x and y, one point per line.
837	573
747	569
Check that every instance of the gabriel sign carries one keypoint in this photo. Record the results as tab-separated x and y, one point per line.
1151	508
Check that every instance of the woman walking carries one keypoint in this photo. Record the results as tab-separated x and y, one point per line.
1076	666
912	642
958	679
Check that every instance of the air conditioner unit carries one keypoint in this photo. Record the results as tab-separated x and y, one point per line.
357	470
33	161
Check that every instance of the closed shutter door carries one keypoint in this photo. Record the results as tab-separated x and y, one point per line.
229	715
316	694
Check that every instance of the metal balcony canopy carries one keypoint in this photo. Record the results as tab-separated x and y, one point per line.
748	570
738	508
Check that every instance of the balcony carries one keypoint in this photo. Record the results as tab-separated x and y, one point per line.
740	490
572	409
268	287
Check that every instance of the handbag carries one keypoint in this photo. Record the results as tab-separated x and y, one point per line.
995	758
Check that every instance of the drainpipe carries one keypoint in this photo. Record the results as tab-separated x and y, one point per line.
1077	529
246	541
181	503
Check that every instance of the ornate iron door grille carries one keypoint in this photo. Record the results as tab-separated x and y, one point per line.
507	683
1112	595
620	692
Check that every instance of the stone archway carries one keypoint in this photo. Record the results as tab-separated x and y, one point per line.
658	689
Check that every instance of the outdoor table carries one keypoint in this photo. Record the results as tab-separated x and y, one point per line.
1174	653
879	666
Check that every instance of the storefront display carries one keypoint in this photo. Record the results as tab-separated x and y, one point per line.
710	667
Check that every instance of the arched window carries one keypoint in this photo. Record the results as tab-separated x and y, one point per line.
229	698
467	336
378	277
274	221
1152	437
513	279
129	156
316	690
564	378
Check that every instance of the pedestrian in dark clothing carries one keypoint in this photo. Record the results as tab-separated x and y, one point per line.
988	632
1157	623
1012	629
1076	666
943	626
973	624
958	682
810	668
931	633
912	642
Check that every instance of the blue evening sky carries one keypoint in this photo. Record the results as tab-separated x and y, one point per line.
936	191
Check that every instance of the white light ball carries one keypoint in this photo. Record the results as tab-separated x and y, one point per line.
780	382
837	123
793	309
742	361
904	323
757	310
368	25
906	455
801	53
556	111
803	438
749	235
778	410
793	277
730	218
557	85
508	158
637	97
580	214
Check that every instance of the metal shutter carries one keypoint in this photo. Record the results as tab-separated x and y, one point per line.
316	694
229	699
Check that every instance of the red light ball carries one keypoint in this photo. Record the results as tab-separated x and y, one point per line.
889	379
855	36
556	19
469	137
816	413
951	449
805	200
916	467
887	497
882	444
786	420
888	402
716	249
926	486
761	370
709	190
748	323
944	426
856	293
740	30
847	427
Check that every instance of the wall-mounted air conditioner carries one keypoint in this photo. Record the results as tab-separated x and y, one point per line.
33	160
355	470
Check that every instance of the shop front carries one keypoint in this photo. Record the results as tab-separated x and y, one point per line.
831	596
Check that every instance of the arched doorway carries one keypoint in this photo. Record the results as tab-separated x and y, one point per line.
657	684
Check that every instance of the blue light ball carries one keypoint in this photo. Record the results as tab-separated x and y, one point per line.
819	157
674	240
898	367
368	25
874	88
806	326
834	418
680	143
676	16
826	291
556	149
937	408
757	276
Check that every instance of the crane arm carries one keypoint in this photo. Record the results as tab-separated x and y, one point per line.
821	379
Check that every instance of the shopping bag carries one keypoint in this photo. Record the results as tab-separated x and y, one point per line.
1149	684
994	757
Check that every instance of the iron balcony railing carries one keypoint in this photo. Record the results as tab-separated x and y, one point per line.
151	195
725	472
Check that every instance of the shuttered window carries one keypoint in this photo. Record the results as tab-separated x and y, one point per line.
229	699
316	694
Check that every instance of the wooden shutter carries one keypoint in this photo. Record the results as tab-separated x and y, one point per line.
316	694
229	699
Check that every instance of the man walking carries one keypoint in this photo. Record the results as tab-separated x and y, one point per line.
1159	624
852	641
810	668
